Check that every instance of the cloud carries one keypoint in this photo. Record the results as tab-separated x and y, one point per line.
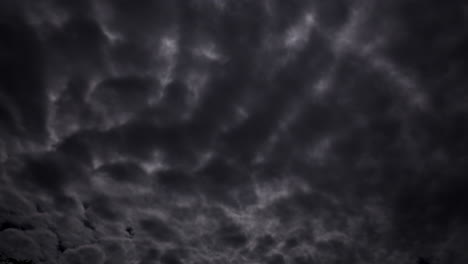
84	254
232	131
158	229
17	244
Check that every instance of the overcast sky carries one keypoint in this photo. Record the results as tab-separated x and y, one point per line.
234	131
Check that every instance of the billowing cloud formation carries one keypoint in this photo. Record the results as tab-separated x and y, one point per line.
219	131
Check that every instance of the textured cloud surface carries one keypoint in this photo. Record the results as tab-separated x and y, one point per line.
233	131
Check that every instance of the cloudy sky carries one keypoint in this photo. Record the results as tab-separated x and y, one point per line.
234	131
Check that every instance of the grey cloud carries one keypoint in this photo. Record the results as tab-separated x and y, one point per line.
125	172
123	95
17	244
232	131
84	254
157	228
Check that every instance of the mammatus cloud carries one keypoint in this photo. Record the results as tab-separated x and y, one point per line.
211	131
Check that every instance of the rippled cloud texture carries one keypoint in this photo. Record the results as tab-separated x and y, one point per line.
234	131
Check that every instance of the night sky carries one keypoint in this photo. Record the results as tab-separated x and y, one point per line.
234	131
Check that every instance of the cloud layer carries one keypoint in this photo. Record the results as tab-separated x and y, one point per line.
218	131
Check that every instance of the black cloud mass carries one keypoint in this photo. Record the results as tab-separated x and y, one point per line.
234	131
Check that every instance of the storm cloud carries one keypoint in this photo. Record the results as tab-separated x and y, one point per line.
222	131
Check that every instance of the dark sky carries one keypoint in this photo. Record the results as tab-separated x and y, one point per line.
234	131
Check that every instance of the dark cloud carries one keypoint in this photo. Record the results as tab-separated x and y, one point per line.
23	93
176	181
80	40
84	254
19	245
122	95
242	131
125	172
172	256
104	207
232	235
264	244
151	256
276	259
157	228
